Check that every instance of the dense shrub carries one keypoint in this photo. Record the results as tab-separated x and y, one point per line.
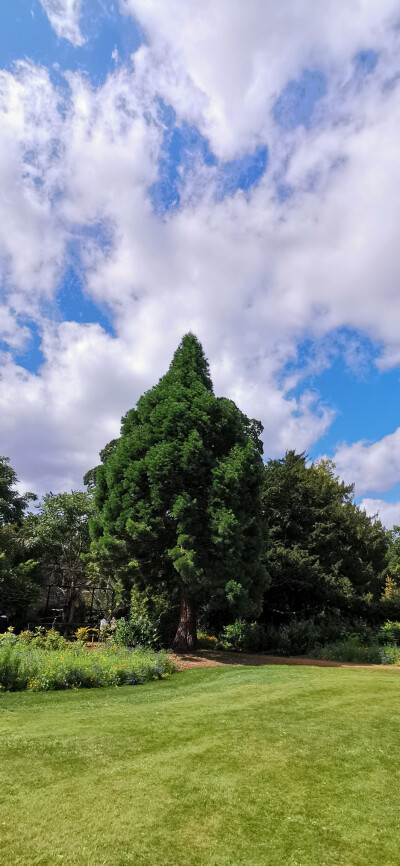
206	641
390	655
137	631
242	636
298	637
49	639
351	650
23	667
389	633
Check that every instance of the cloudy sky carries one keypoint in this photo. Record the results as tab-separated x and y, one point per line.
218	166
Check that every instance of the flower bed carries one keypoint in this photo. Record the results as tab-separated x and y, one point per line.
23	668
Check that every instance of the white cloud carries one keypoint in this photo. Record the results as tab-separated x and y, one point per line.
64	18
371	466
11	331
31	236
387	512
250	275
238	58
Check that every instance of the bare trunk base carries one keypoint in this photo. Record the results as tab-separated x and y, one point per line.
186	634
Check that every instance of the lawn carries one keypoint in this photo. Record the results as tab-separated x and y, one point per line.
267	766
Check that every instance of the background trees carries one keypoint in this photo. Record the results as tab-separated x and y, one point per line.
180	493
20	576
182	516
324	554
59	537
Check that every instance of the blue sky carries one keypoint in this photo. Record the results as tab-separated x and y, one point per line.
236	183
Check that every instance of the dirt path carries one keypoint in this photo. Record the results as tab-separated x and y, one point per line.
213	659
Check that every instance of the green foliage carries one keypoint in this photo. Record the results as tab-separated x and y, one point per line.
20	577
298	637
12	504
242	636
206	641
178	496
59	537
83	635
19	573
353	650
60	532
324	553
40	638
390	655
28	667
393	554
389	632
139	630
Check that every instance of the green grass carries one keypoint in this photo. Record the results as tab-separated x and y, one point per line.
274	766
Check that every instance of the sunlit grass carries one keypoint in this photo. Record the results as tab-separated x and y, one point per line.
274	766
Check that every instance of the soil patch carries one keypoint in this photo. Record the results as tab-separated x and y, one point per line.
213	658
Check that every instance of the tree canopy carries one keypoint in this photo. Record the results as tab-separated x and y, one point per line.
19	572
324	553
180	494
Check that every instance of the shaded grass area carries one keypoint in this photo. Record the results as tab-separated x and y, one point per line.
214	767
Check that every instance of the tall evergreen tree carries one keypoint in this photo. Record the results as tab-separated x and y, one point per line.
178	495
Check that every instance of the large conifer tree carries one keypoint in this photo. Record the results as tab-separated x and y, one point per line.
179	495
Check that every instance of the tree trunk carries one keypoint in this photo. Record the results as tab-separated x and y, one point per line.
186	634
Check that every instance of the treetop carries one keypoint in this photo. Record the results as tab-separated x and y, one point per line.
190	359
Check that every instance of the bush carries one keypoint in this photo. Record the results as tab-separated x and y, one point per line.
389	632
242	636
390	655
350	650
136	631
38	639
26	636
8	639
24	668
302	636
83	634
206	641
298	637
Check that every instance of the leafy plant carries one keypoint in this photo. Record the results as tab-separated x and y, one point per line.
136	631
47	639
82	635
206	641
350	650
390	632
8	638
390	655
26	636
241	636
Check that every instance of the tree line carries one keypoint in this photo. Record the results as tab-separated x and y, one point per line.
182	511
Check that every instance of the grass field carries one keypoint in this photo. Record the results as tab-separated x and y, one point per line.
216	767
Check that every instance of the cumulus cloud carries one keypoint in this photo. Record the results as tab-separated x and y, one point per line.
371	466
387	512
64	18
31	236
251	274
224	65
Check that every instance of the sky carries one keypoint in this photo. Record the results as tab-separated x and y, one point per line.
222	167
